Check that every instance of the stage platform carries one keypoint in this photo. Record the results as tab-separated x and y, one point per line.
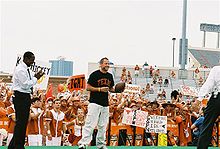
111	147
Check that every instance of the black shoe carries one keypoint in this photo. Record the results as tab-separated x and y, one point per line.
82	147
103	147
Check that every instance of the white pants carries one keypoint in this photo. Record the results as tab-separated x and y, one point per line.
10	135
56	141
35	140
97	116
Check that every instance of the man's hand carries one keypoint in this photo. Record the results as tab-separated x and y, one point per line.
104	89
39	74
49	137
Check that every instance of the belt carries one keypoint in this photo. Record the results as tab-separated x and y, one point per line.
20	92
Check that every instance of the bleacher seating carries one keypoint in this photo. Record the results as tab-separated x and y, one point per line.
174	84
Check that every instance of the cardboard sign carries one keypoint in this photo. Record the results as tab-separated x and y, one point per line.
130	88
77	82
162	139
37	66
156	124
134	117
46	68
189	91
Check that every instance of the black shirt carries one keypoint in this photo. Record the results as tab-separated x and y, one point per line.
99	79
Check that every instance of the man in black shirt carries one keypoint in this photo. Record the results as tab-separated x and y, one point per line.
100	82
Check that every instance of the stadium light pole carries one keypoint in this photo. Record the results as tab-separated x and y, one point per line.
174	39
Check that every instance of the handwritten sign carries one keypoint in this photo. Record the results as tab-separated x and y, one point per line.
130	88
77	82
189	91
156	124
134	117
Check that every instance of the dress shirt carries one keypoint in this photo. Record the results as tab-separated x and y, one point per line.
212	83
22	81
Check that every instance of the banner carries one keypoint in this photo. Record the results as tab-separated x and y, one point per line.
134	117
156	124
77	82
189	91
37	66
130	88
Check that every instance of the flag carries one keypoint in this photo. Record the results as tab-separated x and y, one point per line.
49	92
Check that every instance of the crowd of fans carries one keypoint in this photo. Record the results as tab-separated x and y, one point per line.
58	120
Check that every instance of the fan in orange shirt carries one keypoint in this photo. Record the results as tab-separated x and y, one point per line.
11	122
35	123
55	125
78	124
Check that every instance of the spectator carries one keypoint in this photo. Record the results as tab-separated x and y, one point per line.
144	68
173	74
164	93
151	71
55	125
200	81
129	78
147	88
197	127
185	125
166	82
151	89
160	81
63	102
136	70
78	124
35	124
11	122
157	73
196	73
154	80
124	70
74	104
175	96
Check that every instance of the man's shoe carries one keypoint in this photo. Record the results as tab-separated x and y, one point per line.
82	147
103	147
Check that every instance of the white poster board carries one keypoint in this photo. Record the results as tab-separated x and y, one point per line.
156	124
134	117
130	88
189	91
